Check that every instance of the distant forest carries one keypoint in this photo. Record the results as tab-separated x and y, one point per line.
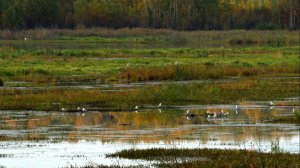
170	14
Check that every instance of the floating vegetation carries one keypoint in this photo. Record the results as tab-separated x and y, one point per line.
23	138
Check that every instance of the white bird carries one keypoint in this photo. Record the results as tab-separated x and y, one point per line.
136	108
271	103
84	110
237	107
293	110
25	38
209	114
190	113
159	105
78	108
63	109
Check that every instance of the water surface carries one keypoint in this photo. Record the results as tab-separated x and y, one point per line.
56	139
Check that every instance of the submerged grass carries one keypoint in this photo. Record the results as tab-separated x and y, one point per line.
211	158
5	155
293	119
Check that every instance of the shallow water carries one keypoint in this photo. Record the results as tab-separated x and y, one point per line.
56	139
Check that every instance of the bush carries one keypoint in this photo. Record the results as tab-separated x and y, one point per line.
1	82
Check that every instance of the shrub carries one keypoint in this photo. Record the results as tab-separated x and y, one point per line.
266	26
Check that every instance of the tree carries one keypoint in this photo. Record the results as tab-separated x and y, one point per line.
14	16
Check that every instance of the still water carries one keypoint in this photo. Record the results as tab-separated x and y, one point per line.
56	139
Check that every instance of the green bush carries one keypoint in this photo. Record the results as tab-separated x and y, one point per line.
266	26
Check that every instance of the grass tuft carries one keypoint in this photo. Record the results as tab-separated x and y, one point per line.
211	158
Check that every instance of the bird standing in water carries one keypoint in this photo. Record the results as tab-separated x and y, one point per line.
190	113
136	108
159	105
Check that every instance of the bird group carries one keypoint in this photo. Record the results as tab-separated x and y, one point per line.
159	106
79	109
216	114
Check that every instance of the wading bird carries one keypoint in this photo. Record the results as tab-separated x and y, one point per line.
209	114
136	108
159	105
190	113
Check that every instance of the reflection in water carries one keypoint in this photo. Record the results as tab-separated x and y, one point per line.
89	136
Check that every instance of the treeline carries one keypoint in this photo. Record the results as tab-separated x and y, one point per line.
172	14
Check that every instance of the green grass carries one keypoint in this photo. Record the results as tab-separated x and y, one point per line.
173	94
44	66
211	158
271	54
278	37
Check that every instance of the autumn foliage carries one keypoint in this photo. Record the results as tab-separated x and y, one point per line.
171	14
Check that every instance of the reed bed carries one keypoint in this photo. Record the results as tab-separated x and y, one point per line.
202	71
